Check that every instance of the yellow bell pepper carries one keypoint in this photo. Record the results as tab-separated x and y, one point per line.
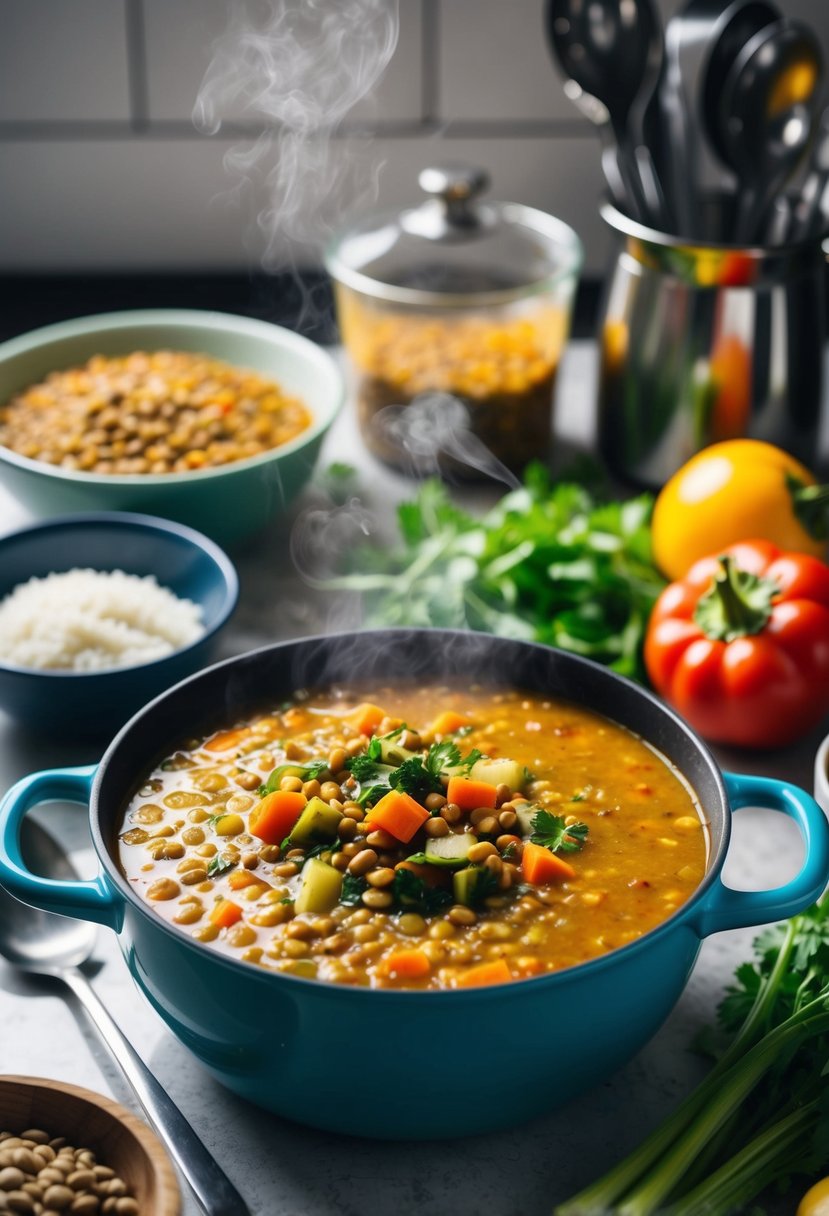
816	1200
741	489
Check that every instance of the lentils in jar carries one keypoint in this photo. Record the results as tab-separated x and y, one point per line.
423	838
150	412
503	371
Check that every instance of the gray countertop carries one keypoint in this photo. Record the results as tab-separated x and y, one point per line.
286	1170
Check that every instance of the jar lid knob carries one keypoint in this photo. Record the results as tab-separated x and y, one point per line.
457	186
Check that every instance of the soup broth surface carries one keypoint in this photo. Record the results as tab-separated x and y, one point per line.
201	840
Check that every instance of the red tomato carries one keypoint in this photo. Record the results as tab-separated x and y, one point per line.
740	645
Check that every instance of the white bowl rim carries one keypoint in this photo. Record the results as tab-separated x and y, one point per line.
207	320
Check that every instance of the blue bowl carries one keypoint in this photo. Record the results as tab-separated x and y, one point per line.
96	703
447	1063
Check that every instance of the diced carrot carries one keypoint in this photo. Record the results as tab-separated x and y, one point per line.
240	879
272	818
433	876
366	718
485	973
406	965
226	740
225	913
469	795
449	722
540	865
398	814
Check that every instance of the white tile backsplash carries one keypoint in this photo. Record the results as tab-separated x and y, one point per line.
101	167
99	204
63	61
495	65
171	204
180	37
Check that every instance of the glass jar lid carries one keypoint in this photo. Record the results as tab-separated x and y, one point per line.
455	249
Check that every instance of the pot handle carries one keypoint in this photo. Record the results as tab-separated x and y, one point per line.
725	908
85	900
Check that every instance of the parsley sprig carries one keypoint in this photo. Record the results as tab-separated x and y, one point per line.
415	776
550	562
412	894
219	865
761	1116
551	832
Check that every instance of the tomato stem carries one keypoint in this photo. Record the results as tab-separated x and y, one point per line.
736	605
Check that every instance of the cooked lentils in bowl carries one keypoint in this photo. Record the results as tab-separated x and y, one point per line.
150	412
422	838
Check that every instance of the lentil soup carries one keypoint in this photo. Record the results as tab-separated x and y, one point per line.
422	838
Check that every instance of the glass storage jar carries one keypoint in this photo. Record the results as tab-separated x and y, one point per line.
455	314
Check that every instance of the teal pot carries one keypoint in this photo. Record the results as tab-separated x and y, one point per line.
228	503
271	1037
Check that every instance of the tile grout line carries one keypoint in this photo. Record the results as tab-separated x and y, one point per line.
147	131
429	61
137	65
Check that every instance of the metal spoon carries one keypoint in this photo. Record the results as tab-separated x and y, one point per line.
42	943
767	111
809	212
613	54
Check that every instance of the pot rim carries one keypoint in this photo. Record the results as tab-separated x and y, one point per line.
716	859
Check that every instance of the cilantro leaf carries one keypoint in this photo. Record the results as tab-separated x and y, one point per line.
414	779
373	778
352	889
443	755
411	893
549	562
551	832
219	865
362	766
447	755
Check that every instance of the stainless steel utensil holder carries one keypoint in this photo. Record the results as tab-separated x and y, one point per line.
704	342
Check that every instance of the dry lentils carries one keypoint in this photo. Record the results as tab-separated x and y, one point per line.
42	1175
150	412
389	918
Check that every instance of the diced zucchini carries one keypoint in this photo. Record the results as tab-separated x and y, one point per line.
466	885
320	889
451	850
392	753
317	823
499	772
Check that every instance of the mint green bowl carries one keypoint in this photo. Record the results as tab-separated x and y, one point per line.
228	503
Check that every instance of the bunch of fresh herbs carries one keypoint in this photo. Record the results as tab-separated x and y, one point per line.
761	1117
549	562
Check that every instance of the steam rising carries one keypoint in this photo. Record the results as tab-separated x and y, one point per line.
434	427
429	431
297	68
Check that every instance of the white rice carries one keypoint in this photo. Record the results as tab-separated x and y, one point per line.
91	620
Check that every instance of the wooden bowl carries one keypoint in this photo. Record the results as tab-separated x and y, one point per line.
89	1120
